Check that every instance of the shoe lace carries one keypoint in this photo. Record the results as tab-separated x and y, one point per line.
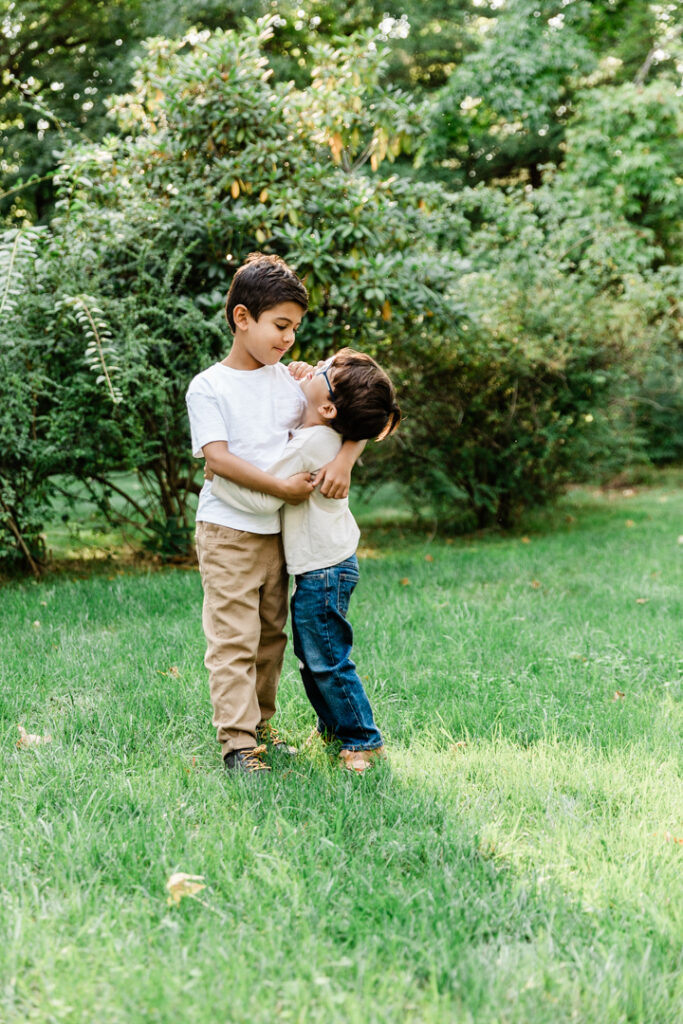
269	732
252	760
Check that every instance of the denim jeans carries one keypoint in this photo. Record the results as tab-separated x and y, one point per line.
322	642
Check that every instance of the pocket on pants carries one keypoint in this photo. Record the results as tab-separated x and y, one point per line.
347	585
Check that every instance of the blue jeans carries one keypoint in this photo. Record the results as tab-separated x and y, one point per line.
322	642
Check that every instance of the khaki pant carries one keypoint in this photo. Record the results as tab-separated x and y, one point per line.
244	615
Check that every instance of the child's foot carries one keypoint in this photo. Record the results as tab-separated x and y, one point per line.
360	760
246	762
268	734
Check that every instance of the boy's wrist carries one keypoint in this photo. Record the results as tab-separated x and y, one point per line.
347	456
280	489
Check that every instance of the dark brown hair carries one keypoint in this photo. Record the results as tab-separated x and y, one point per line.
261	283
364	398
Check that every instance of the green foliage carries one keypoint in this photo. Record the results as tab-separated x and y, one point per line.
218	155
503	113
561	371
626	145
533	322
503	108
17	253
99	348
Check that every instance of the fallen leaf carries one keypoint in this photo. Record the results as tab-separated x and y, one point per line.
672	839
629	522
180	885
173	672
525	540
29	739
642	600
535	584
405	582
429	558
36	624
618	695
457	748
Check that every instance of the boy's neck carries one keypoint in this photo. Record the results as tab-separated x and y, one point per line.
239	358
312	418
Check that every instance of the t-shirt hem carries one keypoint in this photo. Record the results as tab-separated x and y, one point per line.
296	570
231	526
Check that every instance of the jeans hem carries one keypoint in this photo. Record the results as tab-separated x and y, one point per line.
356	748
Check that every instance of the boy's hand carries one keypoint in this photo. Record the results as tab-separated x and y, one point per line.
334	479
298	370
297	488
208	473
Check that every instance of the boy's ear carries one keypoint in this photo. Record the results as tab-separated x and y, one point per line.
241	315
327	411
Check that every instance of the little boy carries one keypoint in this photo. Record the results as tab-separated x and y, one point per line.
352	395
241	411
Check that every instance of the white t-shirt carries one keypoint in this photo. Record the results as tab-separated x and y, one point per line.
253	411
320	531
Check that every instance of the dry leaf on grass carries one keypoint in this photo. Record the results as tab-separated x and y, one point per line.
429	558
173	672
457	748
629	522
31	739
405	582
525	540
535	584
618	695
180	885
642	600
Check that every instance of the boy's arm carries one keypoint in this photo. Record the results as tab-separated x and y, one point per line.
335	478
247	500
242	498
221	462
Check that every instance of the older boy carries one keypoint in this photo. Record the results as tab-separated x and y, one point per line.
352	395
241	411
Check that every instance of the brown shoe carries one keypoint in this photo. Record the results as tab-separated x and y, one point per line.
268	734
360	760
247	762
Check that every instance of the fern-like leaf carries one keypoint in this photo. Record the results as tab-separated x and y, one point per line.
100	351
18	249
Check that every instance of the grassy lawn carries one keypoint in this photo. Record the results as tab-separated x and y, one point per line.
519	861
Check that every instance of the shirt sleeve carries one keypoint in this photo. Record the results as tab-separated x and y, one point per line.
207	422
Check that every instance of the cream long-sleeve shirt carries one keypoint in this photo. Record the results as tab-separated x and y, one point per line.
320	531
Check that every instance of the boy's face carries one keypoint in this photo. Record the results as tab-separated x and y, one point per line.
318	386
266	340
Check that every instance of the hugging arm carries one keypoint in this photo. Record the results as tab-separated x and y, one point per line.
292	487
335	477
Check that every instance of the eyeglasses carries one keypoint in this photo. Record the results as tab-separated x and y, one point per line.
323	369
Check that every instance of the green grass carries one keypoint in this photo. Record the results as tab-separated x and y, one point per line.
528	876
